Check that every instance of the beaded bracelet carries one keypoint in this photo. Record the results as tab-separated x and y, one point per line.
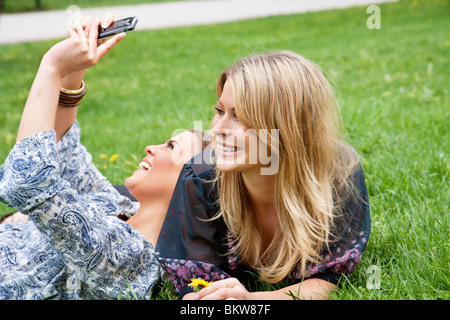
71	98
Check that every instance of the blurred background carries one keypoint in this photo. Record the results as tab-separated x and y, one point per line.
389	66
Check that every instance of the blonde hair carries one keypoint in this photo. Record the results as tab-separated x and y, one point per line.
284	91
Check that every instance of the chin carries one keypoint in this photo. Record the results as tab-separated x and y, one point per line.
129	184
231	164
232	167
226	167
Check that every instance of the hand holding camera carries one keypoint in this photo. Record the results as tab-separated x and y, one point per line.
81	50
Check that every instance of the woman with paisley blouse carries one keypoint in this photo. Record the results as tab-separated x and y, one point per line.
75	246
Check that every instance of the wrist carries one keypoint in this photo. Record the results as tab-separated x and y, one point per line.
74	80
47	66
256	295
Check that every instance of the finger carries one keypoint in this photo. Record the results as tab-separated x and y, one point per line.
72	33
76	21
215	286
93	34
220	294
108	45
85	23
81	34
109	18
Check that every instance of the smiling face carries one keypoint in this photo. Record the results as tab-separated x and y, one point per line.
235	146
160	168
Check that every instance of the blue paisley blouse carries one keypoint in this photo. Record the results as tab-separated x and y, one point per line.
74	246
191	245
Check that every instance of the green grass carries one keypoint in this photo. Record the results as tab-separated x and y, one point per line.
392	85
14	6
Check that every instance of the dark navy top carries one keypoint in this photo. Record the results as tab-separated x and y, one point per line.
190	247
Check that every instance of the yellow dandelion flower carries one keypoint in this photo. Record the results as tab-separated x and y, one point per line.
113	157
103	156
198	284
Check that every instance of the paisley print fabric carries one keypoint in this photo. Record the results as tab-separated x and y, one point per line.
74	246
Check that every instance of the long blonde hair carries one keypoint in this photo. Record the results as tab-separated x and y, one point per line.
284	91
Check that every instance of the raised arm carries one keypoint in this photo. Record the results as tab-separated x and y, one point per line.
65	117
63	65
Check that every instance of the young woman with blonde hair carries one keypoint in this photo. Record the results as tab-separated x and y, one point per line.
301	216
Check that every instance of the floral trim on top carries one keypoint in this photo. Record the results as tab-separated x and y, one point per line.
181	272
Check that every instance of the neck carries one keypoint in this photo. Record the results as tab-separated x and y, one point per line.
261	189
149	220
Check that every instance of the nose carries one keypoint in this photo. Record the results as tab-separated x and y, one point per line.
152	149
222	126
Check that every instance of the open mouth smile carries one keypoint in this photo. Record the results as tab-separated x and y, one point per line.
226	149
144	165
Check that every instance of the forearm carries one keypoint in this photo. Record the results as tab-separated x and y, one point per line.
309	289
71	56
65	116
40	109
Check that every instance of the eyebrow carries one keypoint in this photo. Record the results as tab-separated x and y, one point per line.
219	103
171	141
222	106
